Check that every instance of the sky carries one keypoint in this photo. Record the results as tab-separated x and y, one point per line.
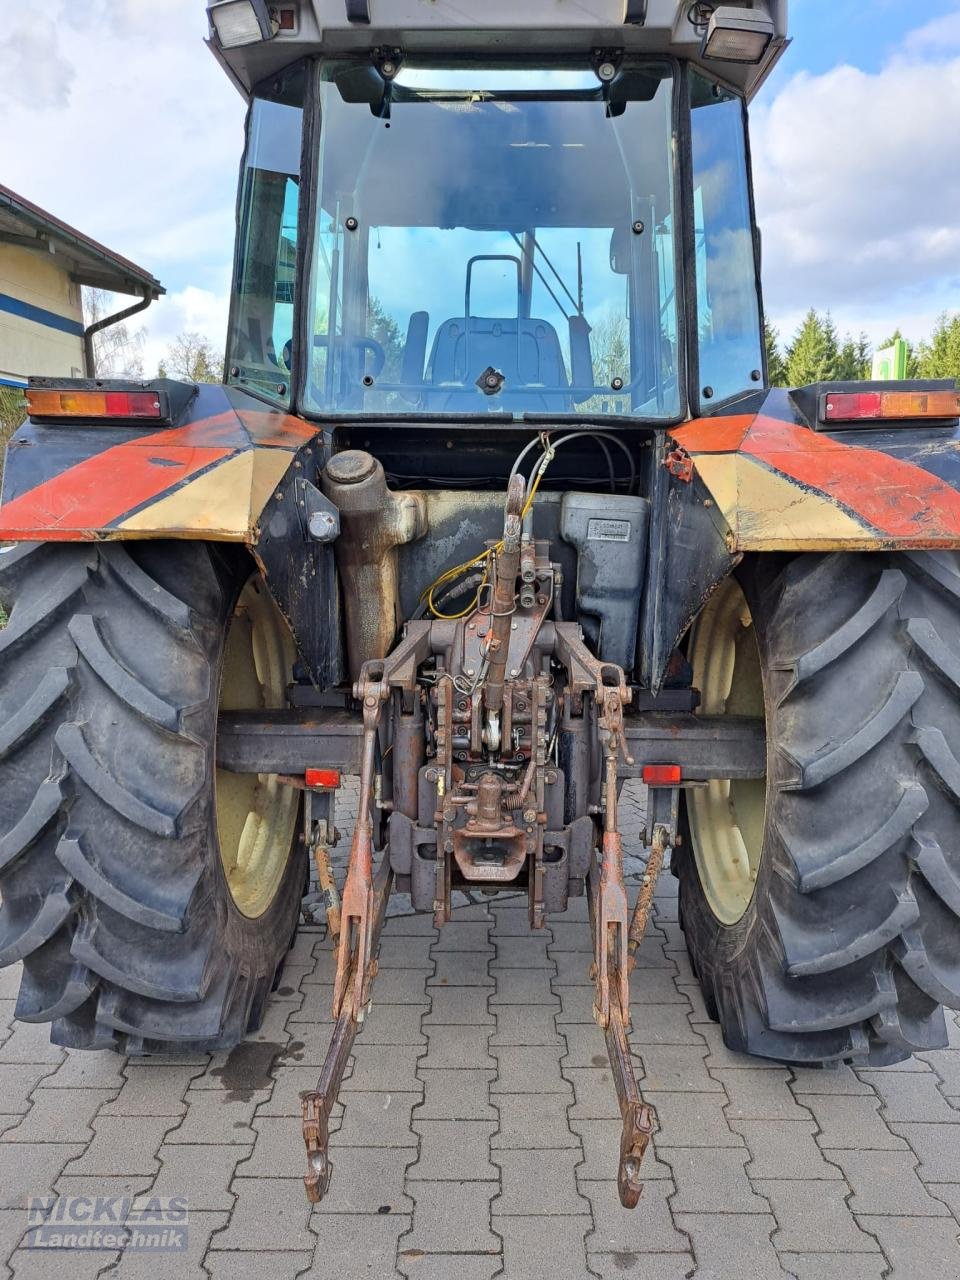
116	118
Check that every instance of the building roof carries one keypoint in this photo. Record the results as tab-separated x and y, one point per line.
90	263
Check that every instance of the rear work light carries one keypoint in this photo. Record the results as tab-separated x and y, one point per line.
662	775
881	406
46	403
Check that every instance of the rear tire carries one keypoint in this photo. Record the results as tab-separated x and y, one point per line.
112	888
850	943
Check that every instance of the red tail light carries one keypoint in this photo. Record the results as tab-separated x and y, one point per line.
880	406
662	775
327	779
70	403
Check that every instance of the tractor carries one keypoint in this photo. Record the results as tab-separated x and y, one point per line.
495	509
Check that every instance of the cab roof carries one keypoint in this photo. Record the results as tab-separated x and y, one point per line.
498	29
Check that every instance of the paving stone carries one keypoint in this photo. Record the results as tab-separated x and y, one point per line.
528	952
595	1096
457	1047
458	1007
532	1184
367	1180
835	1266
649	1229
570	935
186	1265
290	1082
457	1095
48	1264
129	1185
472	936
88	1069
573	968
814	1212
676	1068
531	1252
267	1211
152	1091
945	1063
120	1147
918	1248
645	1266
383	1066
576	1006
586	1047
393	1024
525	1024
30	1042
513	924
665	1024
13	1224
201	1173
836	1080
525	987
55	1112
785	1149
760	1095
398	986
851	1123
652	954
377	1120
727	1245
457	1150
452	1217
417	1265
692	1119
948	1193
213	1116
413	924
698	1010
654	986
600	1140
17	1081
460	969
264	1264
911	1096
278	1151
711	1181
886	1182
529	1069
533	1122
938	1147
405	953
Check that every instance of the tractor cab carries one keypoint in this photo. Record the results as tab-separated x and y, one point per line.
549	220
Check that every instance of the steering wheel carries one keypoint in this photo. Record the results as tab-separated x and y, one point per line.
361	345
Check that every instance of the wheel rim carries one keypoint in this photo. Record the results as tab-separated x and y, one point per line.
256	813
727	817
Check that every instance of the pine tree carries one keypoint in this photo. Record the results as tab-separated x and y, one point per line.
940	357
776	368
814	353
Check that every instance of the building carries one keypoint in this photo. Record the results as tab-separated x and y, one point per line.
43	265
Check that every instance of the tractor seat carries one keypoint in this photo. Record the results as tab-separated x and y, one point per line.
526	351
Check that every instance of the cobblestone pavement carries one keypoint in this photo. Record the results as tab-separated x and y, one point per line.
480	1128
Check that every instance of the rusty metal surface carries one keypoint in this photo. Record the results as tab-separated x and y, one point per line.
374	522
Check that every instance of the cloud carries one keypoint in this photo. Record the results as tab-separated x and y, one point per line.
189	310
140	132
858	184
938	36
34	74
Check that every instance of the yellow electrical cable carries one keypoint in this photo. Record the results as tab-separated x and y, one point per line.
450	575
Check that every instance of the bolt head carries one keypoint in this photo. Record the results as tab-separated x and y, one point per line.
606	71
